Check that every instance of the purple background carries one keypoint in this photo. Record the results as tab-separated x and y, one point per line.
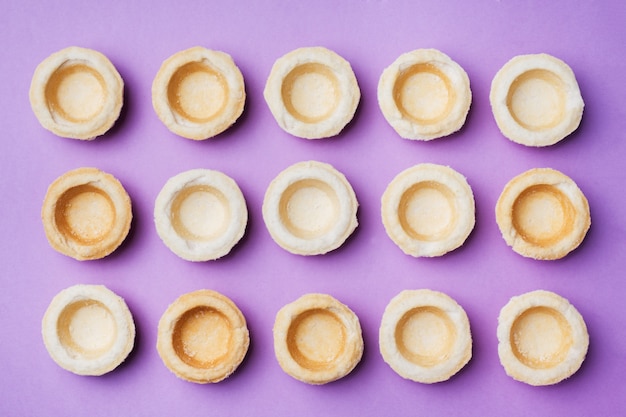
369	269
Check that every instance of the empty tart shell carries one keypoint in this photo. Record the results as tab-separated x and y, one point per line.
536	100
424	95
200	214
76	93
542	338
425	336
198	93
312	92
86	214
317	339
542	214
203	337
310	208
428	210
88	330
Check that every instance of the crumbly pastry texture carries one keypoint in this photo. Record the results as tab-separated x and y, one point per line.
310	208
542	338
424	95
428	210
88	330
198	93
535	100
317	339
425	336
86	214
542	214
312	92
76	93
202	337
200	214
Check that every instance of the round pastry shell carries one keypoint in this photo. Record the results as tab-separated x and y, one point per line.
190	81
330	73
440	183
425	314
101	221
196	326
427	68
63	87
526	236
331	189
75	324
306	334
539	73
523	327
218	190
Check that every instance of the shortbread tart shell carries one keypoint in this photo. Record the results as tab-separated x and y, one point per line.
88	330
77	93
425	336
198	93
312	92
317	339
542	338
86	214
202	337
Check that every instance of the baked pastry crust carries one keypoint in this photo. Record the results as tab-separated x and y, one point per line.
88	330
76	93
536	100
542	338
542	214
198	93
202	337
424	95
428	210
425	336
86	214
312	92
310	208
317	339
200	214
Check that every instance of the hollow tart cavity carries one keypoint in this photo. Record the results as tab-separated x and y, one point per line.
76	93
425	336
542	338
317	339
312	92
535	100
198	93
88	330
428	210
86	214
542	214
200	214
310	208
202	337
424	95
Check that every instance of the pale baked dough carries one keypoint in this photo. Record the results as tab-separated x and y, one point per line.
198	93
200	214
310	208
425	336
536	100
86	214
312	92
317	339
424	95
202	337
542	338
542	214
428	210
88	330
76	93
